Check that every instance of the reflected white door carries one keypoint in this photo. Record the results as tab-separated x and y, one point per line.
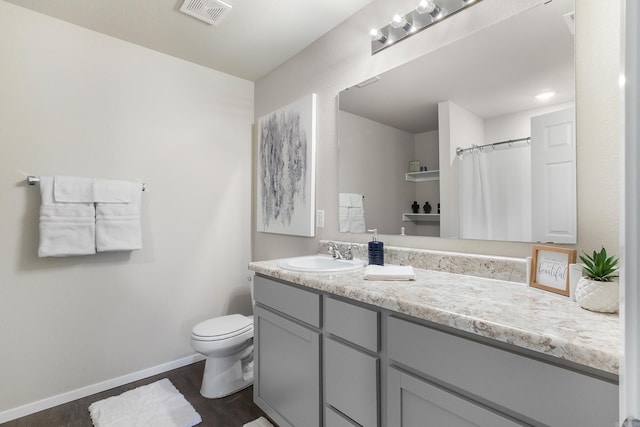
553	177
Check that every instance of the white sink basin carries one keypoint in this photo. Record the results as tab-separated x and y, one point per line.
320	264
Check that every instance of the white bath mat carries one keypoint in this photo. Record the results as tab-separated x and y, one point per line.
158	404
260	422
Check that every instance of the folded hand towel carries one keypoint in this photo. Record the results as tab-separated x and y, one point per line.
350	200
389	272
344	200
66	229
356	200
72	189
113	191
351	220
118	225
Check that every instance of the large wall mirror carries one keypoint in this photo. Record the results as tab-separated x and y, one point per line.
499	154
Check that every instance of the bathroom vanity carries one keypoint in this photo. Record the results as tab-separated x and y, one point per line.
447	349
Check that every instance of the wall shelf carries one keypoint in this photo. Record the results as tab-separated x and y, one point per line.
423	176
420	217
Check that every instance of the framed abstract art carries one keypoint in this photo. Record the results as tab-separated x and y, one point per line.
285	187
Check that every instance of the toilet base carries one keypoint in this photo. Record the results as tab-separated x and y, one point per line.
227	375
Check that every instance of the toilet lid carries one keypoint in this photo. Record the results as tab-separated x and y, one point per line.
222	327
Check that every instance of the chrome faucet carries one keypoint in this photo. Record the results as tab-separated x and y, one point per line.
335	253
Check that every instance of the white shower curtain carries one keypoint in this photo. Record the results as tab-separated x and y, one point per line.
495	194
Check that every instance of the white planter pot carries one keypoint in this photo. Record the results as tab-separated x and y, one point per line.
598	296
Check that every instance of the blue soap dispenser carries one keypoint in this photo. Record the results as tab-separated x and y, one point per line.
376	249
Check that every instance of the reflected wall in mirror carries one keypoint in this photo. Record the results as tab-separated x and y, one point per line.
478	91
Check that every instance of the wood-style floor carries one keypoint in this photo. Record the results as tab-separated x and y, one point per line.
230	411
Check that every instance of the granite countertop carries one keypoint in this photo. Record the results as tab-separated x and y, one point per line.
505	311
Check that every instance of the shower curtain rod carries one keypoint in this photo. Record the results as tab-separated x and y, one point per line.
460	151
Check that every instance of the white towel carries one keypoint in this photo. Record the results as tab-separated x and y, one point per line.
351	213
351	220
72	189
350	200
66	229
118	225
113	191
389	272
356	200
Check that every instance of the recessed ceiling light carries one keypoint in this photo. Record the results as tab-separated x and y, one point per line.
545	95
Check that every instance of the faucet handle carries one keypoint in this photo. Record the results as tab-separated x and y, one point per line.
349	254
332	249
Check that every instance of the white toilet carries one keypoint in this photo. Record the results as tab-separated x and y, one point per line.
227	343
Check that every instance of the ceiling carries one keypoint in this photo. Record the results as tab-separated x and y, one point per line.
496	71
254	38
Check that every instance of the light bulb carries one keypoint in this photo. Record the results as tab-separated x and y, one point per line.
377	35
400	22
425	6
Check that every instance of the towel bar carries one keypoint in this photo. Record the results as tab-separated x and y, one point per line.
33	180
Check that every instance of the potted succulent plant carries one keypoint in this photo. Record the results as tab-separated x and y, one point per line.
597	290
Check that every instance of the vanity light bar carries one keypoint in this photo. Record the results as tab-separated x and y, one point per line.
427	13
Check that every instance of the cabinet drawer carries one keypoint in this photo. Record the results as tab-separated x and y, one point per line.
295	302
351	382
540	391
352	323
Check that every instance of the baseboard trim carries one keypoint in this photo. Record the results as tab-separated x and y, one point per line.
69	396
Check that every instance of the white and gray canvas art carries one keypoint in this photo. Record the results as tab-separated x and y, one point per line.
286	169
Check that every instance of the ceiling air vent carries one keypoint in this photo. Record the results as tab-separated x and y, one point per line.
209	11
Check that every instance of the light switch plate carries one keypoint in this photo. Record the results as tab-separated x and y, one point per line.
320	219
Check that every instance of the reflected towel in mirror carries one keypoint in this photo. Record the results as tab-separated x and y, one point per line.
351	213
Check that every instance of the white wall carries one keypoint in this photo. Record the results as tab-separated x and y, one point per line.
427	151
342	58
384	153
76	102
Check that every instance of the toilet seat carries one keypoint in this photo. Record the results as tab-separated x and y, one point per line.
222	328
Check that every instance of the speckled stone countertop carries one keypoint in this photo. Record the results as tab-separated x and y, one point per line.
505	311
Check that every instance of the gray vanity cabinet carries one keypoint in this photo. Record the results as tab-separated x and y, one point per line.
323	360
287	381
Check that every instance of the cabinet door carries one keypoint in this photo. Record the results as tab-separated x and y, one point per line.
351	383
417	403
287	371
